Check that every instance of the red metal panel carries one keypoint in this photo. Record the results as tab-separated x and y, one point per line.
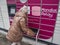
11	1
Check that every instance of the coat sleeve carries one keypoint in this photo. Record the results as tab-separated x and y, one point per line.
28	31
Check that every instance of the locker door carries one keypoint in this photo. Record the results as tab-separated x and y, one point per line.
48	19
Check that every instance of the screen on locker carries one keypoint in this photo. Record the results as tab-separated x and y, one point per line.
41	15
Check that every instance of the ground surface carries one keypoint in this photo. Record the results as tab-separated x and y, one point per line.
4	41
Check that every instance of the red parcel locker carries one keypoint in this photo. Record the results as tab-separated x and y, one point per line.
41	15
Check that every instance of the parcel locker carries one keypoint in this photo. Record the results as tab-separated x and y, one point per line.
42	16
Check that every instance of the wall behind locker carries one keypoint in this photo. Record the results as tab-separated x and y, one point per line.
56	38
4	18
1	20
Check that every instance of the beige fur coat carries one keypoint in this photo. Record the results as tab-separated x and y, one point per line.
18	26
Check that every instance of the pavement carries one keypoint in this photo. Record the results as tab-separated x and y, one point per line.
25	41
4	41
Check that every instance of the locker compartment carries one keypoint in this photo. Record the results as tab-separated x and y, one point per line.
50	2
35	30
32	19
46	27
45	34
33	25
49	22
34	2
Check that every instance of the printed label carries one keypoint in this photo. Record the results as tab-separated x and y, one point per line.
36	10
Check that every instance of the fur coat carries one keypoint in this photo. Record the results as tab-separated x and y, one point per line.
18	26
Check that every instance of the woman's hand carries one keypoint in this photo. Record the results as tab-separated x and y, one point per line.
30	33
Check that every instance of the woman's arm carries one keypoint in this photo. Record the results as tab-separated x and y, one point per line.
25	28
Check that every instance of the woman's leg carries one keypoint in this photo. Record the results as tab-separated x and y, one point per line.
14	43
18	43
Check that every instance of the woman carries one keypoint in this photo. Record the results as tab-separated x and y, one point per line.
15	33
